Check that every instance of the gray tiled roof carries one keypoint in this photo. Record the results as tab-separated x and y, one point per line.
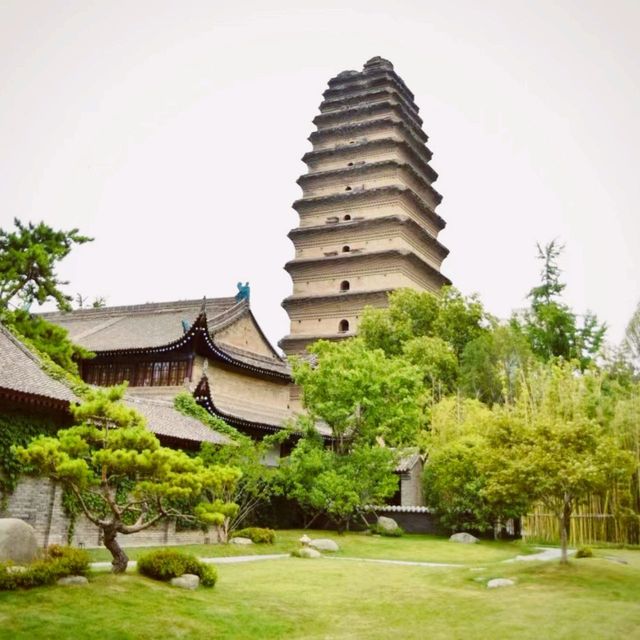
136	326
20	370
164	420
407	461
273	363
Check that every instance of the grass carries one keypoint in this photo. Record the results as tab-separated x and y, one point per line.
422	548
313	599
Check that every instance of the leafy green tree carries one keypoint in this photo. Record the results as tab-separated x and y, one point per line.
632	339
361	394
449	315
550	448
339	486
258	482
551	326
28	259
48	338
436	360
120	476
492	363
455	475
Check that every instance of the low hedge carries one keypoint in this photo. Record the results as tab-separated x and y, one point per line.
165	564
256	534
57	562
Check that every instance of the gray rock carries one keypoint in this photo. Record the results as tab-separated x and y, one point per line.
68	580
17	541
308	552
464	538
186	581
240	540
324	544
388	524
616	559
499	582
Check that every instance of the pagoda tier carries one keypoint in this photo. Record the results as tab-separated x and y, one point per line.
368	221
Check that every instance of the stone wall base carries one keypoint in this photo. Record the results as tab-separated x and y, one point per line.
38	501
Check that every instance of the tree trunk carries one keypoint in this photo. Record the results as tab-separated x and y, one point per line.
120	559
565	530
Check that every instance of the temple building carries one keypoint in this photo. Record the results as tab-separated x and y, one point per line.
368	221
30	396
213	348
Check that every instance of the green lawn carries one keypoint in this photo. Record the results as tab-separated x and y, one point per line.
313	599
358	545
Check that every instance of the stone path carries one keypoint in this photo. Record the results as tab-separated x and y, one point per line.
409	563
545	554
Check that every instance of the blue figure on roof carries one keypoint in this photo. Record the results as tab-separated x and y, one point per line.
244	292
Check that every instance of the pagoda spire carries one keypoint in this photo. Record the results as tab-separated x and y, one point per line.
368	222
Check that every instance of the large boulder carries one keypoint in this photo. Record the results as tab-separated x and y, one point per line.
186	581
240	540
324	544
464	538
17	541
388	524
308	552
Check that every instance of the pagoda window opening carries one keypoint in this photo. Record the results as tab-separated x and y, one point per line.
345	285
347	217
347	188
346	248
350	164
343	327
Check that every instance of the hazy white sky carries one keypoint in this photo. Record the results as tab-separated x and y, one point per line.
171	131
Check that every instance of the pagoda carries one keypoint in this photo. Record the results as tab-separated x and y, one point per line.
368	222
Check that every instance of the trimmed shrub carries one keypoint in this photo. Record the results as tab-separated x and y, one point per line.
256	534
380	531
58	562
584	552
165	564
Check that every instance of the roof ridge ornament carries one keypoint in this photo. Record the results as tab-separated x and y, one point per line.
203	306
244	292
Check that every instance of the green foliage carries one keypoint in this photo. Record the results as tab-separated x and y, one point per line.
121	477
493	364
377	530
339	486
186	404
166	564
631	342
450	316
553	445
257	534
436	360
45	337
361	394
57	563
28	260
454	477
17	428
584	552
258	482
551	326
